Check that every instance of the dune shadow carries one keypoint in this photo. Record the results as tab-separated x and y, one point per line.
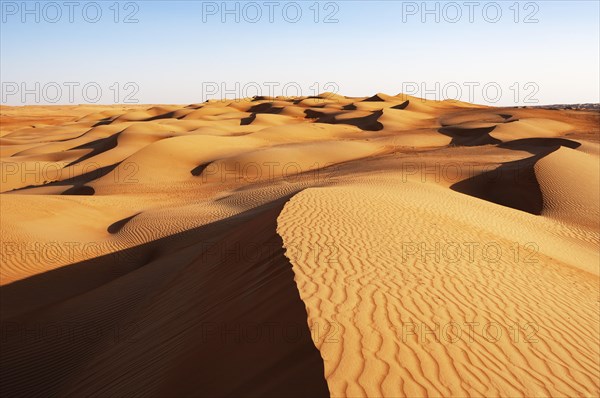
81	190
118	225
245	121
197	171
374	98
78	182
103	122
462	136
97	147
167	115
402	105
266	107
261	98
539	146
514	184
367	123
212	311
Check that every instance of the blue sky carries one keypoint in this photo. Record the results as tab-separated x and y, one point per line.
182	51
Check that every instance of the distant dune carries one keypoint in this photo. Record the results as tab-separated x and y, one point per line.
309	246
586	106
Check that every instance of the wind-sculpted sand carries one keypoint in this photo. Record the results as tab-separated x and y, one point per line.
312	246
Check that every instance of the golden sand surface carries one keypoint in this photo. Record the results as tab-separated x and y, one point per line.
309	246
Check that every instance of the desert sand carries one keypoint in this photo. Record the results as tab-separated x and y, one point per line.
313	246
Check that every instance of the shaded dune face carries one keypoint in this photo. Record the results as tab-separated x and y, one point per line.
470	136
514	184
186	322
97	147
274	246
367	123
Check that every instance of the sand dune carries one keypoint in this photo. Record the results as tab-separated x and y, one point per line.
384	274
312	246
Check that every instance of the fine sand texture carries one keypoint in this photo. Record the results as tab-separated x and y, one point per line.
382	246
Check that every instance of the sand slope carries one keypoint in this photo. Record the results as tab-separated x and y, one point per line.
382	266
